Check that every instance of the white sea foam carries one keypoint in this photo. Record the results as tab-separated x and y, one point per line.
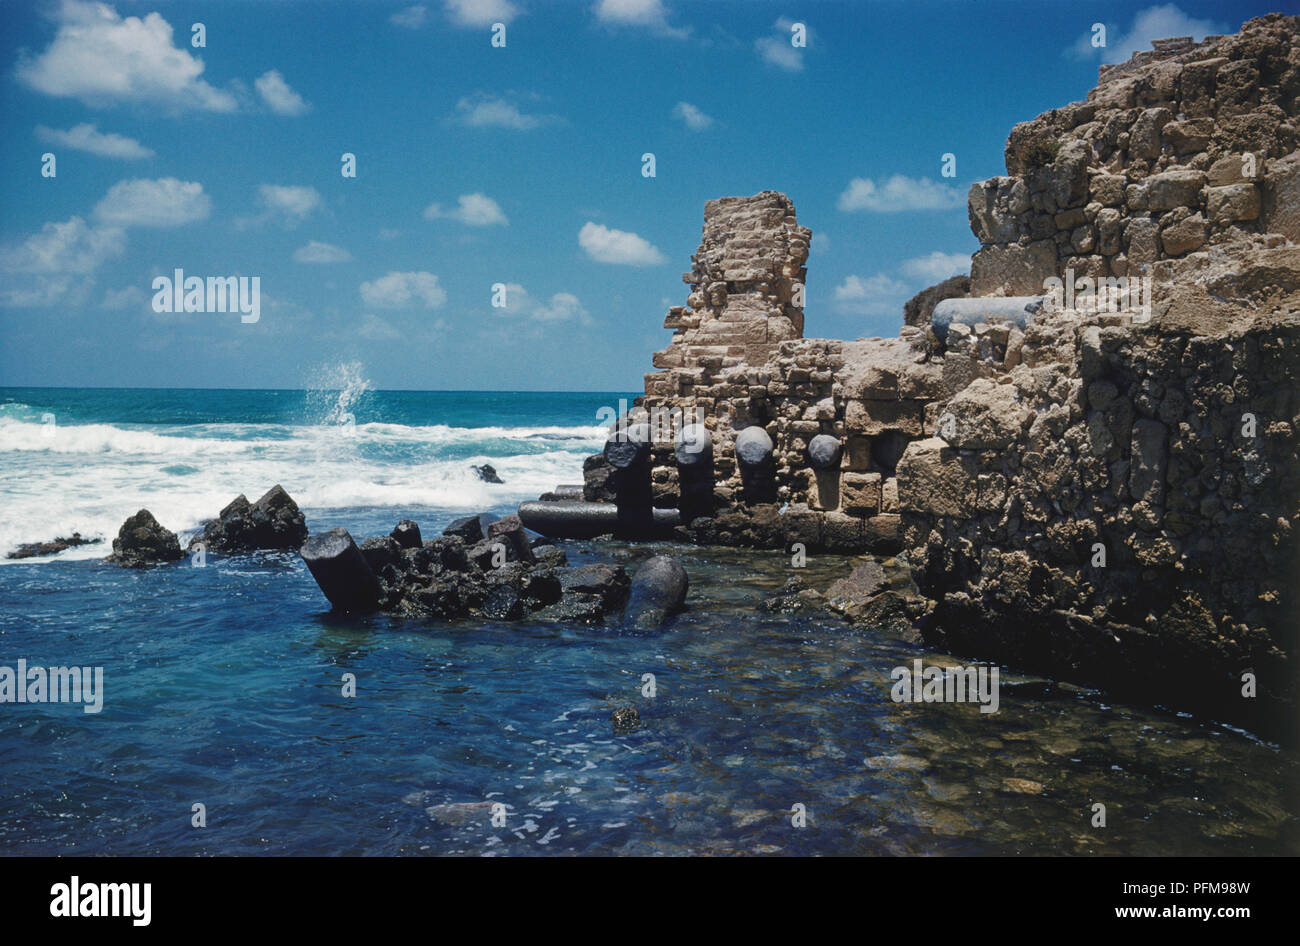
89	478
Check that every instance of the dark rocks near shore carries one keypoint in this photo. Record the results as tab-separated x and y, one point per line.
487	473
407	534
658	591
52	547
273	522
479	567
142	542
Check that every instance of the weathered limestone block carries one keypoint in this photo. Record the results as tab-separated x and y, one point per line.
1232	202
985	416
1179	187
1184	236
1013	270
993	206
934	479
860	493
875	417
1280	207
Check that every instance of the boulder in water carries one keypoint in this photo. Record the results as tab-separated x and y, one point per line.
658	591
273	522
407	534
487	473
142	541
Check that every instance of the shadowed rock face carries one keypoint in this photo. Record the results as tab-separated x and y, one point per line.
142	542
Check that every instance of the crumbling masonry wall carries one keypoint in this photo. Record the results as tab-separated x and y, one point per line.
1185	147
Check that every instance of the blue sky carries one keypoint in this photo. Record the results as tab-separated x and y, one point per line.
477	165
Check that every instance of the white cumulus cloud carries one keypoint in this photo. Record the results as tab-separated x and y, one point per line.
647	14
315	252
403	291
480	13
87	137
777	50
691	116
561	307
102	58
1164	21
897	194
166	202
606	245
494	111
412	18
936	267
871	295
56	264
284	204
474	210
277	95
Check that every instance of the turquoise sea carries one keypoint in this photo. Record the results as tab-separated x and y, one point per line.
223	684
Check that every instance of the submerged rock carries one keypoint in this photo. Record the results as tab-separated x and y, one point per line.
273	522
53	547
142	541
658	591
625	719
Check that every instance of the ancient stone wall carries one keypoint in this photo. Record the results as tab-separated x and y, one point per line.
1187	146
1104	497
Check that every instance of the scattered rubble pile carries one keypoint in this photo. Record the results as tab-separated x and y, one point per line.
480	567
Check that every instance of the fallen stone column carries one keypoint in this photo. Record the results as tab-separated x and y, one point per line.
1017	310
574	519
341	571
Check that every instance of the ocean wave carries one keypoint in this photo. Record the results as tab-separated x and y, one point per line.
89	478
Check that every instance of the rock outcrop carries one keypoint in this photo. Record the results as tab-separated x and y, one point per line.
52	547
1177	150
142	542
492	572
273	522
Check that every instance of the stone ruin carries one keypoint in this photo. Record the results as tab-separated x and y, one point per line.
1085	493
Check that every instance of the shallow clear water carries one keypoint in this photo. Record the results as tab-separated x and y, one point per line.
223	687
